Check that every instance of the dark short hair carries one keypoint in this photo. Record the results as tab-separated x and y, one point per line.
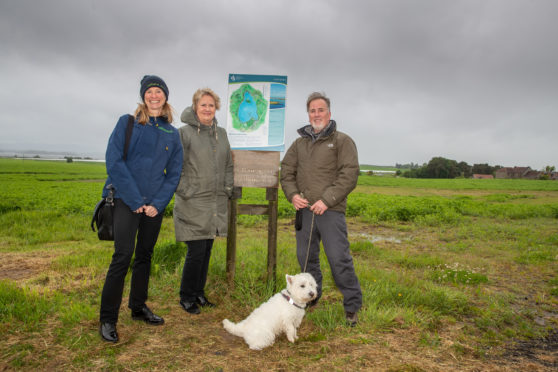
317	95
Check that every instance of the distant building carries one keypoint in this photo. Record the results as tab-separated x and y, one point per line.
483	176
509	172
523	172
533	175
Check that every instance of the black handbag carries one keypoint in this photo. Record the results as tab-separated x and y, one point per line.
102	216
103	213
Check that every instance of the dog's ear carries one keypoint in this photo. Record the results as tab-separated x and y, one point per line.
289	279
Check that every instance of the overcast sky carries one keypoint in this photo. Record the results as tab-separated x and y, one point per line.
473	81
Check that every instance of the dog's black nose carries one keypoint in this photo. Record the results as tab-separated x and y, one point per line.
311	294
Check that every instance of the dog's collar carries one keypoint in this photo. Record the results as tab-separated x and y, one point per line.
291	301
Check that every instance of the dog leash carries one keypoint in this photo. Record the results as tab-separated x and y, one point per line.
309	240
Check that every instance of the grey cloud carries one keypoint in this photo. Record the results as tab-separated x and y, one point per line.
470	80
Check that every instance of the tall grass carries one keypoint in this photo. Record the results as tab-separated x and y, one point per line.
25	307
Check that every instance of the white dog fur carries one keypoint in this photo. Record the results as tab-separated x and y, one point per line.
283	312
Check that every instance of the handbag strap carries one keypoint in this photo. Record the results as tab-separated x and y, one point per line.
110	196
129	129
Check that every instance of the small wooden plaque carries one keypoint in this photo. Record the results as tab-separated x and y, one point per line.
256	168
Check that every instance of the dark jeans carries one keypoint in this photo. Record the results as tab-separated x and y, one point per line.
127	225
194	273
331	229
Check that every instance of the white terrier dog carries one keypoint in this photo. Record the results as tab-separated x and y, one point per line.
283	312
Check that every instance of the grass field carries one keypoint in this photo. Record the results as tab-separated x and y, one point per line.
457	275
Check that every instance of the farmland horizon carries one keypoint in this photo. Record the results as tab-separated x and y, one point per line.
31	152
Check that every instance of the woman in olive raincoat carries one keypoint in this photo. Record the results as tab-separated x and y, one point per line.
201	199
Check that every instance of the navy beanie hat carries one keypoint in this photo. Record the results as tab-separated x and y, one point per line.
149	81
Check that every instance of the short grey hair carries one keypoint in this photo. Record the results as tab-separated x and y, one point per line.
317	95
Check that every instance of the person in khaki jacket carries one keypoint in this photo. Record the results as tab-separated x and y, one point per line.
318	171
201	198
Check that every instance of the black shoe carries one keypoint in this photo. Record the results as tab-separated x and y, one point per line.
108	332
352	318
190	307
204	302
147	316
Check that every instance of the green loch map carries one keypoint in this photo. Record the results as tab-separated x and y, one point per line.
248	108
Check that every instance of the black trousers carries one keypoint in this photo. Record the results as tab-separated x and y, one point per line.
127	225
194	273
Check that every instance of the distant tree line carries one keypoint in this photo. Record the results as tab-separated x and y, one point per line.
440	167
407	166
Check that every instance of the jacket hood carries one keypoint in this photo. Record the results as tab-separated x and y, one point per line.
189	117
306	131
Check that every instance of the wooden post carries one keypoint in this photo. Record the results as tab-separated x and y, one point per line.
231	235
271	196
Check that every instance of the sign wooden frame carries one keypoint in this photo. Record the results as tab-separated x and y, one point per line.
254	169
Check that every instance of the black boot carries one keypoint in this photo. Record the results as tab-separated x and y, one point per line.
352	318
147	316
190	307
108	332
204	302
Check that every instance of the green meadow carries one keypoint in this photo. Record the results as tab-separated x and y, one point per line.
457	275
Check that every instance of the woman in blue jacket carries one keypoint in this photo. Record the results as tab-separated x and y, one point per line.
144	182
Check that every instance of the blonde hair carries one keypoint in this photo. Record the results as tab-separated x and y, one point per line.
205	92
142	113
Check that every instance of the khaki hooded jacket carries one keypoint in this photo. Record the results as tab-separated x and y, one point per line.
323	167
206	181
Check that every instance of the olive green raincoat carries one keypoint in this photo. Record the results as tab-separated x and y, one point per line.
206	182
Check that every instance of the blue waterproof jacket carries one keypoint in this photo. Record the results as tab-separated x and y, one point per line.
152	168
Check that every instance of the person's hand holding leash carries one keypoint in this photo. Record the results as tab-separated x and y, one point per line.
318	207
299	202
